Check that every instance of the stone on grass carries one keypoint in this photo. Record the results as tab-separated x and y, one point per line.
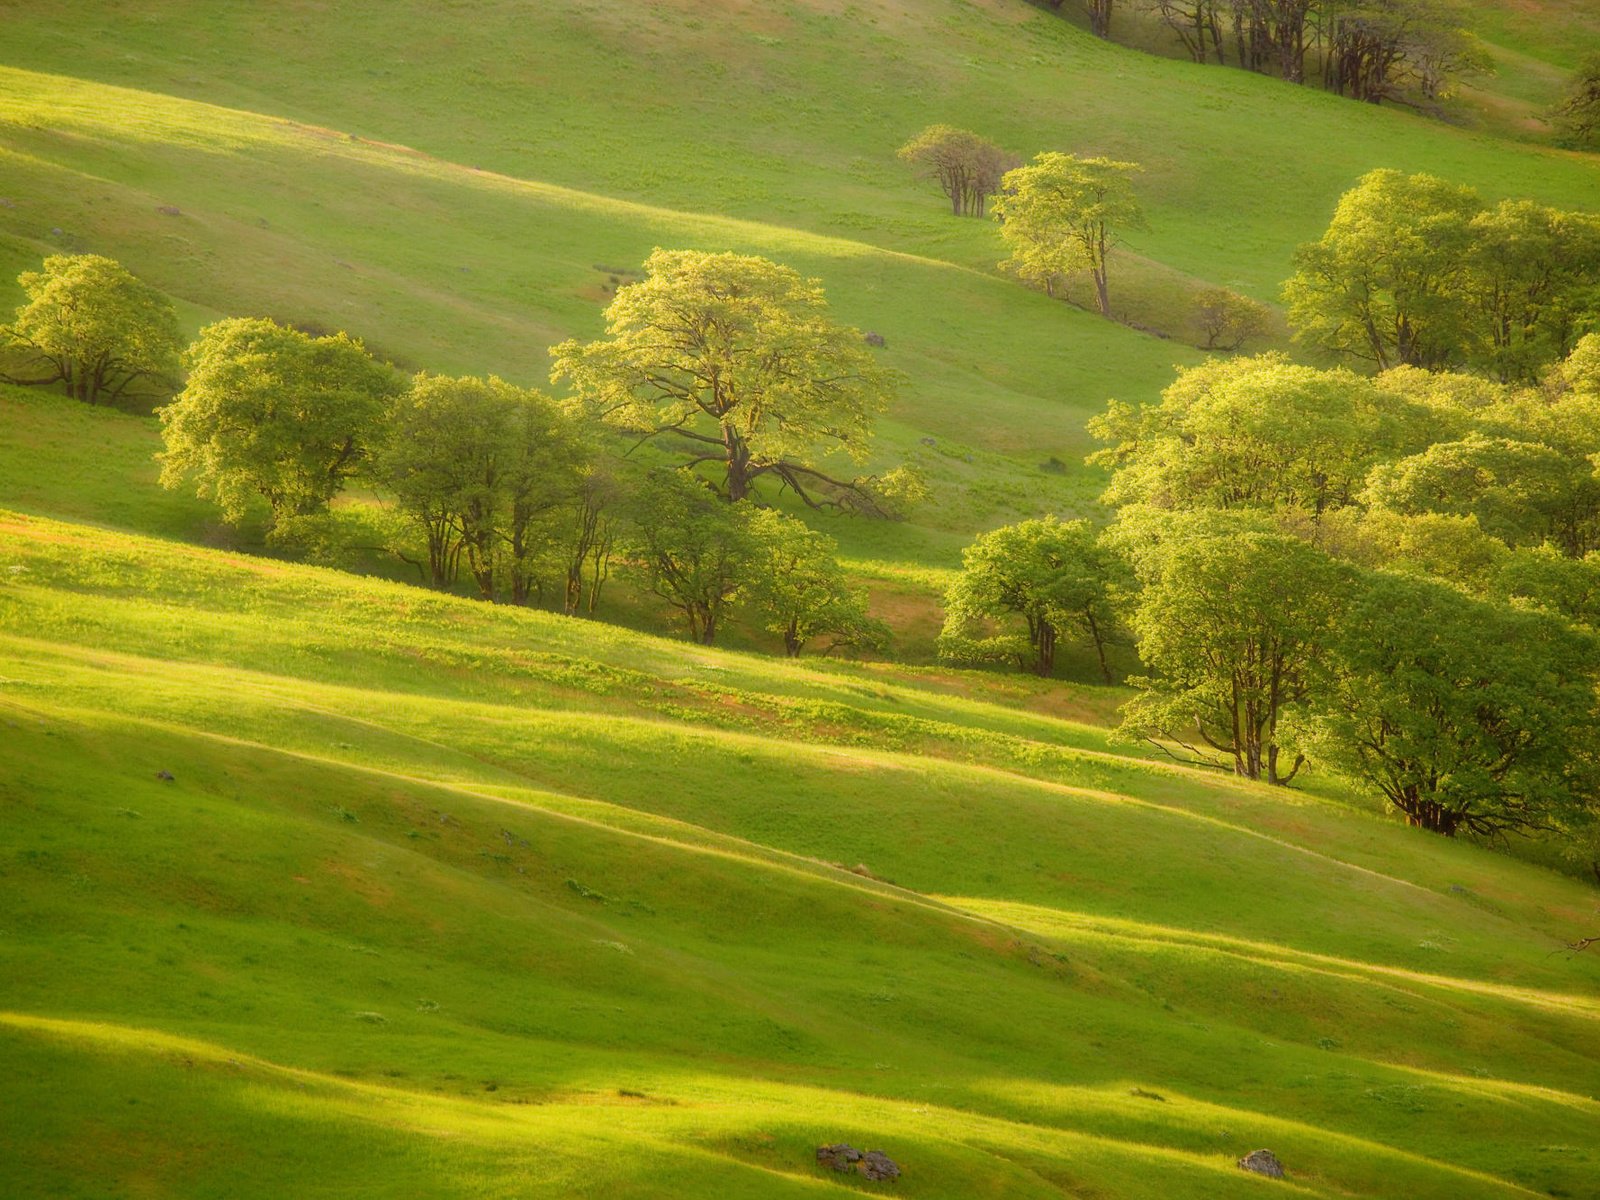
1262	1162
839	1156
875	1164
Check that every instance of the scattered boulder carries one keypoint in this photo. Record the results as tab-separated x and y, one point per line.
928	441
872	1164
873	338
875	1164
1262	1162
165	775
840	1157
169	210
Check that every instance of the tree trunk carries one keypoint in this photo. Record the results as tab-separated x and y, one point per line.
1099	646
1044	644
738	464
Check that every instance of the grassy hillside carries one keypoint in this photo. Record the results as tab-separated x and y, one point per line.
463	199
313	884
454	900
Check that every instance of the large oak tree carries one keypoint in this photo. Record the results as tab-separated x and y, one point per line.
737	361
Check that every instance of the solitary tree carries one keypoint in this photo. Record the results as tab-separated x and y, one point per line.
966	167
92	326
798	590
1227	320
1057	576
1463	714
1061	214
739	361
1231	624
1383	283
272	412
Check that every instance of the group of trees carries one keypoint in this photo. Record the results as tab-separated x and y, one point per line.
1059	215
1372	50
1395	577
1391	575
731	367
966	166
1415	271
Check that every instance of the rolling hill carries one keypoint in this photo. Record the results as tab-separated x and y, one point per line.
318	884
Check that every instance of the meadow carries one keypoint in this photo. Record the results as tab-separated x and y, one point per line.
494	900
318	883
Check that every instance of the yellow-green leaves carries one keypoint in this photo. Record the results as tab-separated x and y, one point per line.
91	325
1061	214
272	412
736	360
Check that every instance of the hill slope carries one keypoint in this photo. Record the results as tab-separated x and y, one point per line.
464	198
456	900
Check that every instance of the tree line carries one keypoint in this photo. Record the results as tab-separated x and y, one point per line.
729	366
1407	51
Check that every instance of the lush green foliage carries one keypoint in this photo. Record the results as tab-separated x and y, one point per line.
798	590
272	412
91	326
1062	214
1465	715
1057	576
1234	621
483	470
1414	271
739	358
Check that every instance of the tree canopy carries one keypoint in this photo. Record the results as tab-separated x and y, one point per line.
1252	433
1464	714
272	412
1416	271
89	324
1061	214
966	167
738	361
1057	576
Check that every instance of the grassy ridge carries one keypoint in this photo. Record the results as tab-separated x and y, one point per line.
495	876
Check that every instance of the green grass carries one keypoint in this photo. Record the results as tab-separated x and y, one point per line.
548	140
454	899
511	904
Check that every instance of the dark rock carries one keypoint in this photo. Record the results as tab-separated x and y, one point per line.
929	441
874	339
875	1164
840	1157
169	210
167	775
1262	1162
